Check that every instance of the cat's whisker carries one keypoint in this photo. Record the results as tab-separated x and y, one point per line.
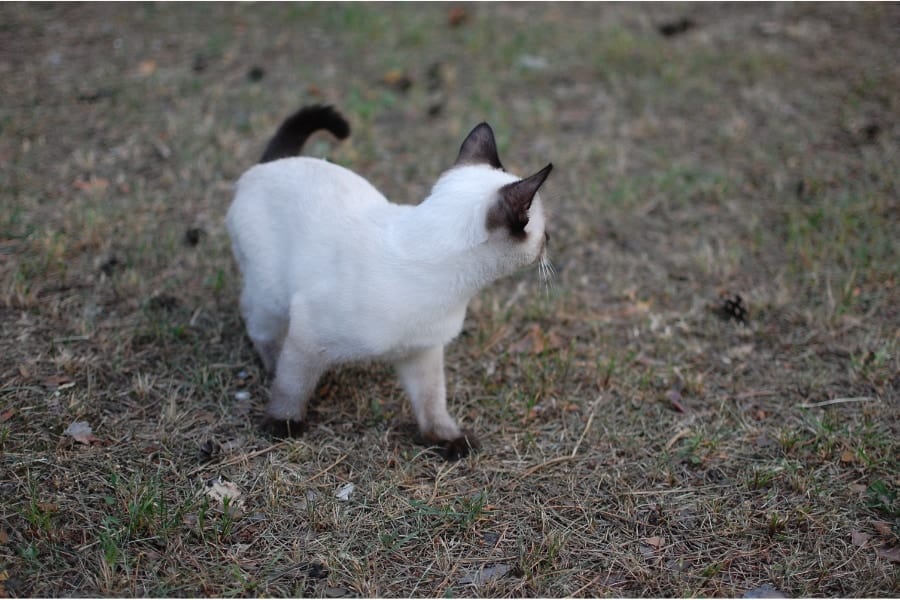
547	272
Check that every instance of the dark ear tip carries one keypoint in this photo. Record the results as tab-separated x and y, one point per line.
542	175
483	127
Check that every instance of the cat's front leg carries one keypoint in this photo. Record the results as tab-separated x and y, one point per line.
422	376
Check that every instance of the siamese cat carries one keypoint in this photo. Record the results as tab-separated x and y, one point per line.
334	272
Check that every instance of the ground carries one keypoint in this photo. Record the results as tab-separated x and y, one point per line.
704	402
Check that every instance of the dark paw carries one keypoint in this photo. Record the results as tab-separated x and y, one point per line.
458	448
281	428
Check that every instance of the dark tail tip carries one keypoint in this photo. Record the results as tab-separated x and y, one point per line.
295	130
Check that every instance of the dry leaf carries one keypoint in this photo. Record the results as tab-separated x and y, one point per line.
847	456
891	554
742	351
485	575
655	541
57	382
456	16
537	341
343	493
638	308
94	184
674	398
766	590
858	538
883	528
397	79
224	492
81	432
4	537
146	67
6	415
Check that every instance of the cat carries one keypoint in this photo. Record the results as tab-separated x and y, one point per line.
333	272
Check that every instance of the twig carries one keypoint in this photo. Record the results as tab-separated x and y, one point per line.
237	459
71	338
837	401
586	427
328	468
559	459
446	468
756	394
684	432
577	594
546	463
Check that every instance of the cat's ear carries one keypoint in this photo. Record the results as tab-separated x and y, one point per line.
479	148
511	208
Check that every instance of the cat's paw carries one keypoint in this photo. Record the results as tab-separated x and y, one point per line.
281	428
458	448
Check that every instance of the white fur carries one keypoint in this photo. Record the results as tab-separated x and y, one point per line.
334	272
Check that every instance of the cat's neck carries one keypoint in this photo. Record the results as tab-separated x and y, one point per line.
441	252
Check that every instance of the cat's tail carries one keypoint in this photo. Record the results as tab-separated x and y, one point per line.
292	134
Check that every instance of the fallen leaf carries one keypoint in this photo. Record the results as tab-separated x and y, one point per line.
674	398
858	538
742	351
847	456
4	537
536	341
48	507
94	184
485	575
530	61
146	67
655	541
456	16
226	495
397	79
891	554
81	432
6	415
343	493
766	590
883	528
57	382
638	308
679	565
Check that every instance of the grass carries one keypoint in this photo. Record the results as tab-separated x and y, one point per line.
635	442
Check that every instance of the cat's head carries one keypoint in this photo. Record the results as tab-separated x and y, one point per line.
508	214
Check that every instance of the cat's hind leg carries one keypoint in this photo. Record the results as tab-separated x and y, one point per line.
298	370
266	329
422	376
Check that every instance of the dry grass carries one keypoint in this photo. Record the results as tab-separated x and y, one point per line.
636	443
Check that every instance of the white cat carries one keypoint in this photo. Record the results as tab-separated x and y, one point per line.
334	272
